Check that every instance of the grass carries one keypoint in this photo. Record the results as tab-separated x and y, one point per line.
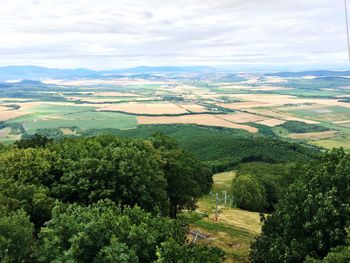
63	116
332	113
337	142
7	136
236	228
84	120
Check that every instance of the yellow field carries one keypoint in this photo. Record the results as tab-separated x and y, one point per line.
202	119
279	115
313	135
245	105
147	108
242	117
10	114
271	122
193	108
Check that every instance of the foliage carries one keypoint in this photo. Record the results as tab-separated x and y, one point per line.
104	232
32	166
16	237
187	178
173	252
125	171
301	127
33	199
273	177
263	129
312	215
33	142
224	149
248	193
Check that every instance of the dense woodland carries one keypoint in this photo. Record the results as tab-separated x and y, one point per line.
100	199
115	199
312	217
301	127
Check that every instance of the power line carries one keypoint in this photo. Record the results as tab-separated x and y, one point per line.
347	27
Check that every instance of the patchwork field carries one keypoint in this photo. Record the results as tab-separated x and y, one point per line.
253	103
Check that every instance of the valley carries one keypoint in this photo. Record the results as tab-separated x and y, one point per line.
248	102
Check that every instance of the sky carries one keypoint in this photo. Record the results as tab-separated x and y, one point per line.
236	34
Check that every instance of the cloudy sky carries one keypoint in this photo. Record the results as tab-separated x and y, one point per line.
240	34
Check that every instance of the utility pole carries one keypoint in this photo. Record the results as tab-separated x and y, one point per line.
347	27
217	207
225	197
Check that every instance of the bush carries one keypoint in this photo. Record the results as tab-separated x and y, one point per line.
248	193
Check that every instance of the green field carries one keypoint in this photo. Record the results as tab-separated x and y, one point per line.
62	116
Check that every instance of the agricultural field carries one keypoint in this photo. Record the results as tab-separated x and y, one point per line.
257	104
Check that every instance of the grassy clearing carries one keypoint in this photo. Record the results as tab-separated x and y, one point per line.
236	228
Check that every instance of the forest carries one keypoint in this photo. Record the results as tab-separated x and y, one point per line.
99	199
109	198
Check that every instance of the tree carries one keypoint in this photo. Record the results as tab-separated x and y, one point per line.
173	252
126	171
105	232
339	254
248	193
16	237
33	166
312	215
33	199
187	178
33	142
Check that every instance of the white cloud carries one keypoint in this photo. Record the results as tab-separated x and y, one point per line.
123	33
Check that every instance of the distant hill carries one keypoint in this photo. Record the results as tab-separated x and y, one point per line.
316	73
40	73
145	69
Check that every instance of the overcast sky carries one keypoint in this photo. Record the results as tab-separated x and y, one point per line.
241	34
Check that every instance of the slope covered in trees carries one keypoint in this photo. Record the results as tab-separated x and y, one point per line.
312	216
224	149
99	199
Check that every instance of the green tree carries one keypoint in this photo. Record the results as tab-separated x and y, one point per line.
33	166
173	252
339	254
16	237
126	171
31	198
311	217
187	178
33	141
248	193
105	232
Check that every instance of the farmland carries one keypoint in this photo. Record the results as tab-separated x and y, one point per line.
247	102
239	125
